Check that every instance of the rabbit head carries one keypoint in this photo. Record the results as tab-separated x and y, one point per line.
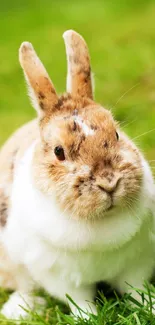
82	157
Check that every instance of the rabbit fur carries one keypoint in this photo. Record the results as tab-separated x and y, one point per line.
76	194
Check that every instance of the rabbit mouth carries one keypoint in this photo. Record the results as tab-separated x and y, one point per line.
107	204
111	207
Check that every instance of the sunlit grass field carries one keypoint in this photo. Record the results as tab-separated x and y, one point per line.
121	38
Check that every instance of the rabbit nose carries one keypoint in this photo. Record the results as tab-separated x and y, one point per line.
108	186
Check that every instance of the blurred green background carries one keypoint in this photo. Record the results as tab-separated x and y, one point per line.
121	38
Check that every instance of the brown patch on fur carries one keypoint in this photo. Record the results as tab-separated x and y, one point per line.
93	127
41	104
14	154
74	126
41	95
105	144
67	106
59	103
4	205
81	83
107	162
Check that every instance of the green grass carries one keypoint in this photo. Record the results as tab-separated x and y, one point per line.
111	311
121	39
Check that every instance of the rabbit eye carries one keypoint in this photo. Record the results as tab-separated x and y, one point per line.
117	136
59	152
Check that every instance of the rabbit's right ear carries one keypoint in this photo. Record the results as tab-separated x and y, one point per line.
41	89
79	81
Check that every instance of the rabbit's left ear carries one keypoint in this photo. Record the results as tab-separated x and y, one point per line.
41	89
79	71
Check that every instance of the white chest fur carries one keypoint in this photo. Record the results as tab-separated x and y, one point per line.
50	244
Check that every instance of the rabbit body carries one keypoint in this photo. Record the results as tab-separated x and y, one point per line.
74	217
48	249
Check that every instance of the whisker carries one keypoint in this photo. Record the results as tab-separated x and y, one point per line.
143	134
137	84
131	122
136	215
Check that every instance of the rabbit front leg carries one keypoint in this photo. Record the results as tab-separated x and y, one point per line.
22	299
20	303
82	295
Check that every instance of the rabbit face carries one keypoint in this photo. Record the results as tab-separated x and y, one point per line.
86	161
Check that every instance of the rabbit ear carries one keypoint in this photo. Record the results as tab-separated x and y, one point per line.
79	71
41	89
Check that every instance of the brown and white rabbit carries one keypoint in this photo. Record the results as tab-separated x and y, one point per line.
76	195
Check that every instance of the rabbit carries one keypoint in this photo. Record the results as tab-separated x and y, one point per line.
76	195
